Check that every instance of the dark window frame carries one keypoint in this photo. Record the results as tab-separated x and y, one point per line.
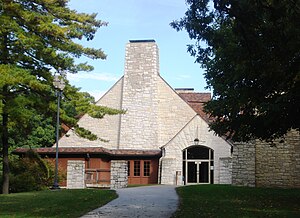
147	168
137	168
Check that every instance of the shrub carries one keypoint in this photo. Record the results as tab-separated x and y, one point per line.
62	173
31	173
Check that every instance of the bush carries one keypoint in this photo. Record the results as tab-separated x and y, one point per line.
62	173
30	173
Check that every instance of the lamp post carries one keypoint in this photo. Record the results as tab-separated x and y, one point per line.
59	84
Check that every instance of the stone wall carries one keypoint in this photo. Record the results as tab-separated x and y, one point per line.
168	171
265	164
278	164
75	174
118	174
106	128
174	113
243	164
226	170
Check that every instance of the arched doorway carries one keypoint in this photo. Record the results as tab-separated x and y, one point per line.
198	164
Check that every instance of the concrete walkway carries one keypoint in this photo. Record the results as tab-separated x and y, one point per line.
158	201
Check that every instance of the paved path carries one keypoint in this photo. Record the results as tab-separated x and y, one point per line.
158	201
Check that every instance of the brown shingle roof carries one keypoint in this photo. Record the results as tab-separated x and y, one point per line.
196	101
92	150
195	96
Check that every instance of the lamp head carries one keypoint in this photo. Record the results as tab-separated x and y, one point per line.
59	82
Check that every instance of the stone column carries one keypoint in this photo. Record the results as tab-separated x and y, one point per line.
118	174
168	172
75	174
226	170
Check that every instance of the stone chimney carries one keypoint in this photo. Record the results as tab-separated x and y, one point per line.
141	62
140	96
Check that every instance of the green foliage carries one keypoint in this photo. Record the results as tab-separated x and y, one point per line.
40	132
232	201
38	38
76	103
250	50
40	34
58	203
30	173
96	111
85	133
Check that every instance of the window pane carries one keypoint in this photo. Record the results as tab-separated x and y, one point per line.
204	171
137	168
128	167
198	152
146	168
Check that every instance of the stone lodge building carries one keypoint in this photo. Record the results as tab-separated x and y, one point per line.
164	138
154	141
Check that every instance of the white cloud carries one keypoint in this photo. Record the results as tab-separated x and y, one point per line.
183	76
93	76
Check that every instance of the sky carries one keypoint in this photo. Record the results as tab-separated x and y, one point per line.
131	20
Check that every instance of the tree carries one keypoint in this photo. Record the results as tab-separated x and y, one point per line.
38	130
250	50
36	40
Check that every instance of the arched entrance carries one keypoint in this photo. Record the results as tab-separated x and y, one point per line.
198	164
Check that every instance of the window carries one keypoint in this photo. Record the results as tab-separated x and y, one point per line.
128	168
137	168
147	168
198	152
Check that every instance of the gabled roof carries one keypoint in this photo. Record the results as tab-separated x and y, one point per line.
196	101
201	97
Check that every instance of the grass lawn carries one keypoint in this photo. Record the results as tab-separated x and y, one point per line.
229	201
60	203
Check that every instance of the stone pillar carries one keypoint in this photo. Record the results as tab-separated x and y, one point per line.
243	164
225	170
118	174
140	96
168	172
75	174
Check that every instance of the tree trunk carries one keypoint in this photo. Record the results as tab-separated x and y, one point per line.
5	170
5	182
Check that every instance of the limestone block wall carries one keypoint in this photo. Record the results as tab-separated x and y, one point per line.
184	139
140	96
279	165
168	171
106	128
243	164
75	174
118	174
226	170
174	113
